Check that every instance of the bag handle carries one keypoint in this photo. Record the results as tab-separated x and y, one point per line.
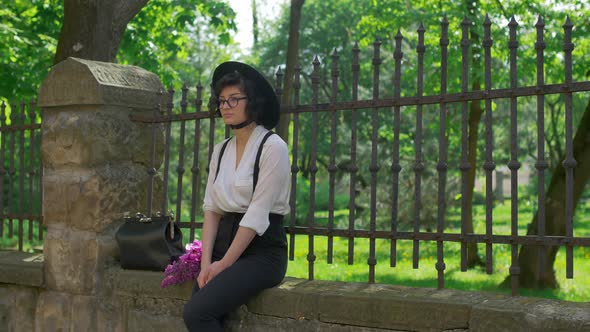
172	223
141	218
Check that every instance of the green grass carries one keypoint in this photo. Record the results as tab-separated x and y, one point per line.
577	289
8	242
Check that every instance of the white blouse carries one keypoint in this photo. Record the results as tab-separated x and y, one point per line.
232	191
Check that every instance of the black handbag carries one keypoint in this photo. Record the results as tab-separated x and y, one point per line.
149	243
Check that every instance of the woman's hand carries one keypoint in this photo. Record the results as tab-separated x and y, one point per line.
201	277
209	272
210	226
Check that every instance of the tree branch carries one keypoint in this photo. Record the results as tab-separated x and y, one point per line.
93	29
502	9
125	11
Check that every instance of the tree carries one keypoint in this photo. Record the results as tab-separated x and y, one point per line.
93	29
292	61
171	38
254	24
531	274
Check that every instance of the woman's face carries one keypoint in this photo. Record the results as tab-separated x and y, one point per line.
232	105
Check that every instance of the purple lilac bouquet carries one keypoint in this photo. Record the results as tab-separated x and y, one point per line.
186	267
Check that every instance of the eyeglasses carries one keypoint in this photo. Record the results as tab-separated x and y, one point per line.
231	102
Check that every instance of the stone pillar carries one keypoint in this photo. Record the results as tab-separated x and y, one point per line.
95	162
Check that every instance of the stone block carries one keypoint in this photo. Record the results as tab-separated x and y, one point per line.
6	305
92	200
86	122
24	310
53	312
111	315
293	298
84	310
147	283
17	308
255	323
396	307
372	306
86	136
72	260
529	314
85	82
142	321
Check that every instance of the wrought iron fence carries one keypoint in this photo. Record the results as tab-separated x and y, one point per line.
314	164
21	221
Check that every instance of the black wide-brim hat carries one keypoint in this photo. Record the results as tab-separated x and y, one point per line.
265	92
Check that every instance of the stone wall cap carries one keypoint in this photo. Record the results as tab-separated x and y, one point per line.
380	306
145	283
85	82
21	268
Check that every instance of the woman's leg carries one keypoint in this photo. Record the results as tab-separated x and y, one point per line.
231	288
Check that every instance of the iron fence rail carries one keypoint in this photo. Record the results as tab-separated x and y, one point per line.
527	91
20	172
374	106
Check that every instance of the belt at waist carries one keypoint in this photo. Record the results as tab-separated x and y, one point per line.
274	236
238	216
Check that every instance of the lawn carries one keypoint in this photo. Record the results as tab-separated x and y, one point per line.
576	289
11	242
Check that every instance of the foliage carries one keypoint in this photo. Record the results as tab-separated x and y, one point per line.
171	38
179	40
28	38
366	21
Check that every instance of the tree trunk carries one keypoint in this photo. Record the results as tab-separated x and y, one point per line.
292	52
528	258
93	29
254	24
475	112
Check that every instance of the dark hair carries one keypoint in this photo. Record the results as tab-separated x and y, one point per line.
255	104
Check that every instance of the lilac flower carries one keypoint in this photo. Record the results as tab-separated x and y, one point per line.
186	267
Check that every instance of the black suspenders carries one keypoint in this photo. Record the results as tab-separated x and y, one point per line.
256	163
221	155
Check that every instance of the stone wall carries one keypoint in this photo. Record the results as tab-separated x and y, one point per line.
95	170
133	301
21	282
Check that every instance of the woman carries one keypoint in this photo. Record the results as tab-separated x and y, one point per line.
244	242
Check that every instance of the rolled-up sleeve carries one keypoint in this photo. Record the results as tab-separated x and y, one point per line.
208	202
273	184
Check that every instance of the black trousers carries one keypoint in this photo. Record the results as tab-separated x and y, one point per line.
262	265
